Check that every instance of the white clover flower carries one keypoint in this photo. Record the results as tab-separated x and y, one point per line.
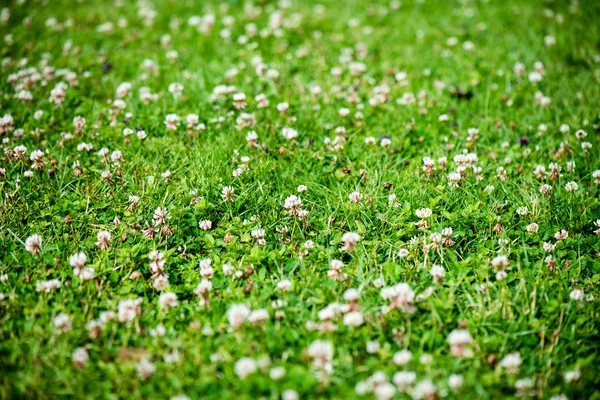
404	379
289	133
423	213
145	369
284	285
129	309
532	228
33	244
321	352
62	322
205	225
576	295
402	357
80	357
350	239
511	363
289	394
455	381
245	367
167	300
237	315
258	316
459	340
571	186
424	390
355	197
354	318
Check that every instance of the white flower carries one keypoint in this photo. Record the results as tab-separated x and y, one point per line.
292	202
276	373
373	346
77	260
321	352
129	309
351	295
47	286
426	359
205	225
171	121
571	186
561	235
523	386
354	318
438	273
206	269
511	363
500	261
33	244
532	228
572	376
203	287
423	213
258	316
145	369
384	391
350	239
523	211
80	357
103	240
576	295
167	300
456	381
159	331
86	274
62	322
459	340
228	269
404	379
355	197
284	285
227	193
244	367
424	390
402	357
289	394
161	282
289	133
400	296
237	314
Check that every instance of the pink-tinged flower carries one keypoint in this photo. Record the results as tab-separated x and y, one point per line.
103	240
460	341
33	244
350	239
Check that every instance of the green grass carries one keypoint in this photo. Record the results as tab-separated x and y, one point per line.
533	311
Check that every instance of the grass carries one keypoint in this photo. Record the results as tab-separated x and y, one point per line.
510	284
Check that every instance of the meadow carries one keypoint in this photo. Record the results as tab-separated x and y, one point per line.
300	199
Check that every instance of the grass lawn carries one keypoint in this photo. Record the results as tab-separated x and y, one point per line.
300	200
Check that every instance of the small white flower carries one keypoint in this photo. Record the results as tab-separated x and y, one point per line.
205	225
423	213
167	300
244	367
402	357
145	369
62	322
576	295
571	186
33	244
